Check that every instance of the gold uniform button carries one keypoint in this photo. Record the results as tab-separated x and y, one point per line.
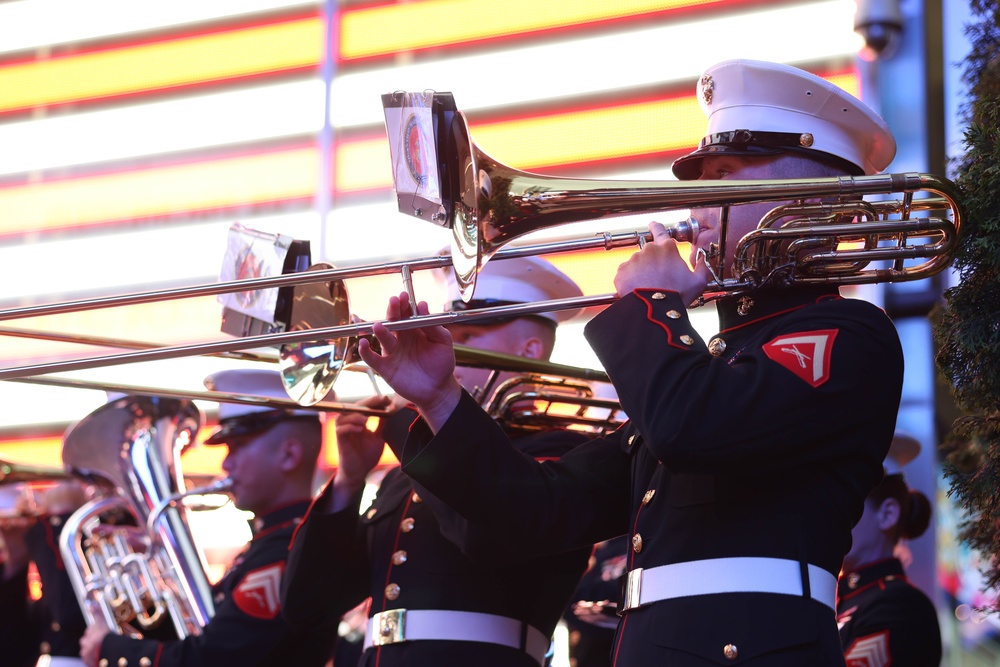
415	497
648	496
399	557
716	346
731	652
673	314
407	524
637	543
55	626
371	512
658	296
55	520
103	662
392	591
145	662
122	662
853	579
45	648
687	340
631	440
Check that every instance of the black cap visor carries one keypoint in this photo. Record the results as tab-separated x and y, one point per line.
251	424
747	143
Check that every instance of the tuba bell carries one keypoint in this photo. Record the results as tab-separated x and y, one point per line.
136	578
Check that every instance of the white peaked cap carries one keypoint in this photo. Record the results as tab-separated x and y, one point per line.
242	418
904	448
753	101
517	280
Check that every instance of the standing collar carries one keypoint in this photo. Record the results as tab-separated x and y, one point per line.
853	582
276	518
764	304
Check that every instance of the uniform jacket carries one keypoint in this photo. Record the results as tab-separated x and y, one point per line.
51	625
247	629
884	620
409	551
763	443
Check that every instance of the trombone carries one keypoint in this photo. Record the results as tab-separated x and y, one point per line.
490	204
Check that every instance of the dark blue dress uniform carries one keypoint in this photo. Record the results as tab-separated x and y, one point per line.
51	625
410	552
247	628
738	478
884	620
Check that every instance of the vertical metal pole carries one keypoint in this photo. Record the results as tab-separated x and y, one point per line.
327	141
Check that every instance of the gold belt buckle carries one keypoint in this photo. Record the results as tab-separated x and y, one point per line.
390	627
633	586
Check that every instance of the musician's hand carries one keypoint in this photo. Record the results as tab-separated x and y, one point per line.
90	642
659	265
419	364
359	448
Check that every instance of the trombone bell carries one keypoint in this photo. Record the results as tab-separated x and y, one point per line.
310	369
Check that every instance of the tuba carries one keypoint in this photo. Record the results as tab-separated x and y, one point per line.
133	576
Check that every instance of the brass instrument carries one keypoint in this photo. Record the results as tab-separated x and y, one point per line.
818	246
25	478
132	577
18	473
488	204
538	402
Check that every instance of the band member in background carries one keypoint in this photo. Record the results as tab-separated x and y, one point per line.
592	618
443	593
884	620
271	461
747	460
53	623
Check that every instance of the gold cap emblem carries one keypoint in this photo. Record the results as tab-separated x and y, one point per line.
707	88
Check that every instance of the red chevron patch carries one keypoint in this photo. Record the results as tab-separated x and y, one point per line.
870	651
257	594
807	354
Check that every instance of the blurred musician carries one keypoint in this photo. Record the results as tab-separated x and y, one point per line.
592	618
885	620
271	461
442	593
52	624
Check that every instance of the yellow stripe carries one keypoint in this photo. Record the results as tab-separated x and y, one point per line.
248	180
599	134
161	65
392	28
623	132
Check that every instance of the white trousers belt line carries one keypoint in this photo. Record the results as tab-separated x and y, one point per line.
726	575
404	625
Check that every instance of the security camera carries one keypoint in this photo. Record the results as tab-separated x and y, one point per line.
880	24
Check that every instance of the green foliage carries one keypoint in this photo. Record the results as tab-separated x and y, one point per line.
967	332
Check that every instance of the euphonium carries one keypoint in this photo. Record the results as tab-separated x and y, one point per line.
131	576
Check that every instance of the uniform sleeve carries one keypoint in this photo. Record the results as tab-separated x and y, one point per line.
697	412
328	569
471	465
901	628
481	544
17	634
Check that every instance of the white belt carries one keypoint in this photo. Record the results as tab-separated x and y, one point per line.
725	575
402	625
58	661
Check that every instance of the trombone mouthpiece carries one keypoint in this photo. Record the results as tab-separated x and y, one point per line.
685	231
